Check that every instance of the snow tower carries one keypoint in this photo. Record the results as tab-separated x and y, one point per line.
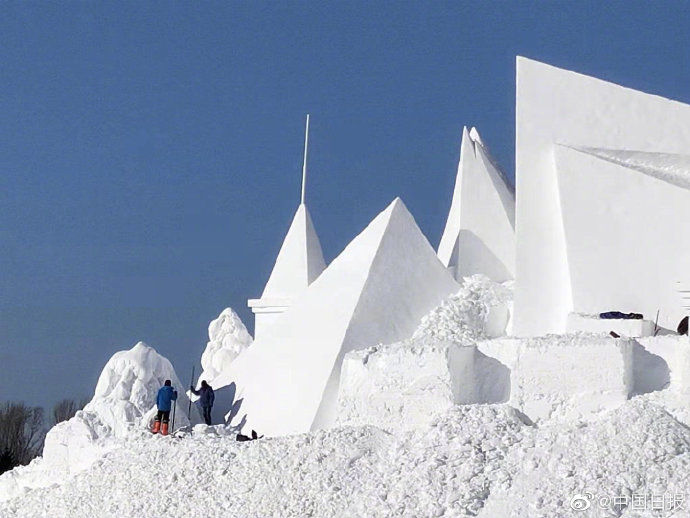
299	263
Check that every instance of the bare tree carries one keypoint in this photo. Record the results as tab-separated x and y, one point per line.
21	434
65	409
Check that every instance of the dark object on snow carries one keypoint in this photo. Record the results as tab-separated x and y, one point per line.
206	399
617	315
166	395
614	334
243	438
683	326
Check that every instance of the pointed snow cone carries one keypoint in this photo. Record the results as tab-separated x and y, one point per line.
480	232
375	291
156	426
299	263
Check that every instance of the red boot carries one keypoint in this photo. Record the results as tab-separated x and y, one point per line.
164	428
156	426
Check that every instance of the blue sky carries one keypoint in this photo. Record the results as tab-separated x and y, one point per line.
150	153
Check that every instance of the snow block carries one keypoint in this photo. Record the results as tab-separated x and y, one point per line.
299	263
593	161
480	231
664	362
568	376
375	291
582	322
404	386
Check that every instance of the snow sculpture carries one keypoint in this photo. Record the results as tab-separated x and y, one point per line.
603	200
228	337
299	263
480	232
124	401
375	291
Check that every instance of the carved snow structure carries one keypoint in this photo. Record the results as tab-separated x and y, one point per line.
299	263
603	200
480	232
375	291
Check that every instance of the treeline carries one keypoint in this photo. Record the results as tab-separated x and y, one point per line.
23	429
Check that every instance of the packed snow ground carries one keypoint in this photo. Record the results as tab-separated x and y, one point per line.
475	460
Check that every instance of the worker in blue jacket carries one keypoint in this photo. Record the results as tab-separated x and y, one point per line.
206	398
166	395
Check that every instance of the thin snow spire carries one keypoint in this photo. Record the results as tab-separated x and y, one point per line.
304	164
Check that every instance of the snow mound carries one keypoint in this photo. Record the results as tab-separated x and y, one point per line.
227	338
479	310
637	449
450	469
123	404
125	396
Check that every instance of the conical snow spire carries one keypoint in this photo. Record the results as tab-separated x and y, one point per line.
299	263
479	236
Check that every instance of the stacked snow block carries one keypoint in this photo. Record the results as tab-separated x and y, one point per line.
623	327
403	386
570	376
673	353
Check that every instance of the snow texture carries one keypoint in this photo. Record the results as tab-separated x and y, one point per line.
476	460
478	310
479	236
638	449
447	469
227	338
375	291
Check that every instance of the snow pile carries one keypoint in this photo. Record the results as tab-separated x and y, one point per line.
123	404
638	451
478	310
228	337
450	469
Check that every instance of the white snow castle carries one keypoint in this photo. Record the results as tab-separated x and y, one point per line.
598	221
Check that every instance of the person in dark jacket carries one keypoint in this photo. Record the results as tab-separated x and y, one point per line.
206	397
166	395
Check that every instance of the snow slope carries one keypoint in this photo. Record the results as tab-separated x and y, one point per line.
476	460
351	471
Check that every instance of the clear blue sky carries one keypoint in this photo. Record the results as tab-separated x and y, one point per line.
150	153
